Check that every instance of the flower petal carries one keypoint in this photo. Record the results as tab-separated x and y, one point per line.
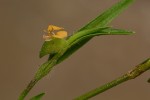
52	27
60	34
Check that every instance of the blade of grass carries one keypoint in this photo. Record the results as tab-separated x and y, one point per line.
107	16
96	32
101	21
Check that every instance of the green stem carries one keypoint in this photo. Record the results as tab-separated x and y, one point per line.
43	70
26	91
138	70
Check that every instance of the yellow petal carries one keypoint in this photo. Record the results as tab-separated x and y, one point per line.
60	34
52	27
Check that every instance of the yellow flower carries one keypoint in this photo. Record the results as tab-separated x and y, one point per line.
54	32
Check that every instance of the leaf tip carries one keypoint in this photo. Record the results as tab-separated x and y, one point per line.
38	97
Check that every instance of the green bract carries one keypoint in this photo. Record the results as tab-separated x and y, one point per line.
52	47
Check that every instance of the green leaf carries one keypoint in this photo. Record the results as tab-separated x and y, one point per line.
38	97
101	21
52	47
96	32
76	40
107	16
105	31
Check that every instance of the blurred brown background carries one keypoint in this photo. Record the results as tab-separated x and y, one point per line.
103	59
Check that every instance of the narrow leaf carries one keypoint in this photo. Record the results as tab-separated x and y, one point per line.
77	39
101	21
107	31
96	32
107	16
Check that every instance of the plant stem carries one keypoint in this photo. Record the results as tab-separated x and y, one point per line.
43	70
138	70
26	91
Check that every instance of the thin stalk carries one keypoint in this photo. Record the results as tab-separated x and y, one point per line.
29	87
43	70
138	70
